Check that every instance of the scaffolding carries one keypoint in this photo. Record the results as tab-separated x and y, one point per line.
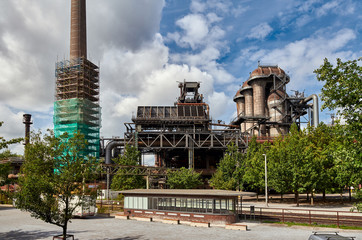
76	106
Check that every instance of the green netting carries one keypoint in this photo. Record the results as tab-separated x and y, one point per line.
73	115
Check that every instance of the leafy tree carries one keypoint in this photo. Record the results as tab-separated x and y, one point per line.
322	142
297	169
123	181
342	91
53	177
279	174
228	175
254	176
347	163
5	168
184	178
5	153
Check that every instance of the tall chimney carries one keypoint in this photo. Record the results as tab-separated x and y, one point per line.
27	121
78	30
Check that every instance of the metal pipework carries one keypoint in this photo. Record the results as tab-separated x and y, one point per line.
78	30
313	97
110	146
27	121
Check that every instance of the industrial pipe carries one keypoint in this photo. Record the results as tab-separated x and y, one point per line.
112	144
315	108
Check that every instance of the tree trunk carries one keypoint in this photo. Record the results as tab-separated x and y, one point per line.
350	194
297	198
324	195
312	198
281	197
257	197
65	230
342	195
65	226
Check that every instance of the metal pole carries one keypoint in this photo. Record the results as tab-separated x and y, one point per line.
107	184
266	182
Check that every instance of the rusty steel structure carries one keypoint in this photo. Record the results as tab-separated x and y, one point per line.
76	106
181	135
265	110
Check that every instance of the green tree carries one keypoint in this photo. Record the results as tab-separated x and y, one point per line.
342	91
321	141
254	177
279	173
229	172
53	177
122	180
347	163
5	153
184	178
295	154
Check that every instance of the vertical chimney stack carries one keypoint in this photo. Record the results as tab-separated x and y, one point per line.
78	30
27	121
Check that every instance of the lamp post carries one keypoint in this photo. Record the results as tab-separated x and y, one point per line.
266	182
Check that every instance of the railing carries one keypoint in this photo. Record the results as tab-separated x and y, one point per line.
107	206
308	216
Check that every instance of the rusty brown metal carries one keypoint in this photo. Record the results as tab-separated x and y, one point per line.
78	30
267	70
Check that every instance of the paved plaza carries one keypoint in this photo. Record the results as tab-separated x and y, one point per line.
15	224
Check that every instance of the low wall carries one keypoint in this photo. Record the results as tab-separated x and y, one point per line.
183	216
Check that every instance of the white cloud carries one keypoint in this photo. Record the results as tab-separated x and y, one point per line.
212	18
124	24
325	8
260	31
303	56
338	7
239	10
197	6
301	13
307	5
195	29
221	105
12	126
125	71
303	20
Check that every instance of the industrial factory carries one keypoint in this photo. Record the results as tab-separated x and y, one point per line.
264	108
181	134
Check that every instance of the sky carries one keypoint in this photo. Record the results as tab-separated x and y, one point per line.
144	47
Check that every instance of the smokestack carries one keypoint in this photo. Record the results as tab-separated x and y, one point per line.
27	122
78	30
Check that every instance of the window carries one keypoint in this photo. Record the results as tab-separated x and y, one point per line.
197	205
136	202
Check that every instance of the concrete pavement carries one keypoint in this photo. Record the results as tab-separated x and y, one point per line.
15	224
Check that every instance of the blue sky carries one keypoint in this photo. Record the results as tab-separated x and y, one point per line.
144	47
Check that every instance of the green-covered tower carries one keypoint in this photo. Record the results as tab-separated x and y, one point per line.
76	106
